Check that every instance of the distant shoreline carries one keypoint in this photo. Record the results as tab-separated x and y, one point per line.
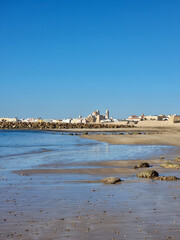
171	138
88	127
106	129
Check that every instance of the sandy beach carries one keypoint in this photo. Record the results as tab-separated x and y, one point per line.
157	136
61	200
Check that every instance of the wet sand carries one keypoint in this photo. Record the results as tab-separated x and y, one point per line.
122	168
49	210
155	138
54	203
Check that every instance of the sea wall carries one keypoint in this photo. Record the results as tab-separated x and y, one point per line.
49	126
157	124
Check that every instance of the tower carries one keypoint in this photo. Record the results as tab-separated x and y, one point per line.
107	114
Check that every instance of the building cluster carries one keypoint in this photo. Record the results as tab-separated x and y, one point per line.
96	117
174	118
28	120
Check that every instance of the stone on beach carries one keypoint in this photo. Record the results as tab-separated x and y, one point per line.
167	178
85	133
177	159
148	174
141	165
171	165
155	175
110	180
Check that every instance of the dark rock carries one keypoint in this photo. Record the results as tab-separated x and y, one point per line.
143	165
167	178
110	180
148	174
135	167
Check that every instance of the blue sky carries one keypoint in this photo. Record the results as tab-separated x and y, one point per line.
63	58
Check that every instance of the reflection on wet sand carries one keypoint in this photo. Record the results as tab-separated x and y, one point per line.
57	194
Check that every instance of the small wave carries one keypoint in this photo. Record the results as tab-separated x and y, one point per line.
42	150
86	144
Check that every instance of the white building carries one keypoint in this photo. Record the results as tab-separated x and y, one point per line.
15	119
68	120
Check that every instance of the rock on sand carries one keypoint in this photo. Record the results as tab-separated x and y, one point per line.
141	165
148	174
177	159
171	165
110	180
167	178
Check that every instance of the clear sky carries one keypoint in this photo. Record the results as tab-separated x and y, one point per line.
63	58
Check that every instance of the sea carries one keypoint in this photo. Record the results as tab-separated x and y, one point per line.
20	149
46	205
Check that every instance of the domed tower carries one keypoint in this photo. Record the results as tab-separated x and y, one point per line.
107	114
97	112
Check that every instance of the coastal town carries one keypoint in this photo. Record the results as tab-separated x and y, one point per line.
89	120
97	118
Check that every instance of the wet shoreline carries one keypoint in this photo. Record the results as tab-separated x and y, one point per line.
67	202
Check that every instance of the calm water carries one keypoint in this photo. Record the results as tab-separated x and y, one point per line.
29	149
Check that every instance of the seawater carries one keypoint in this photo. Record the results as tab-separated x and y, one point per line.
21	149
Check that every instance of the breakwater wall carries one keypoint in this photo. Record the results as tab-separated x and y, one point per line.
60	126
